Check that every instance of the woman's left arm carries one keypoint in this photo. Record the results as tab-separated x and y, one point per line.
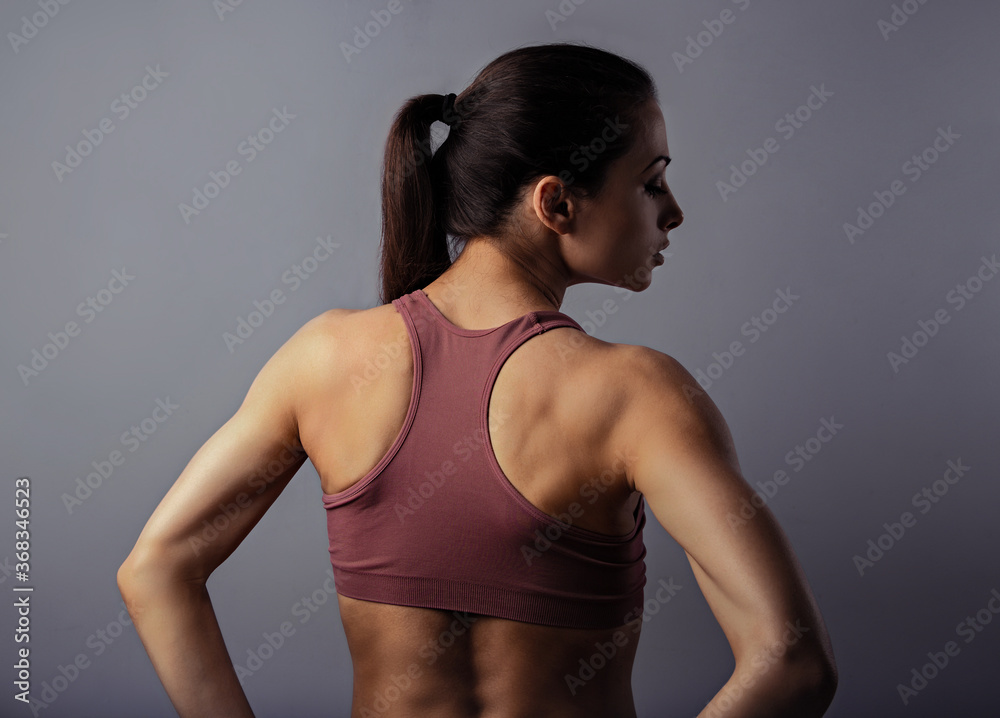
216	501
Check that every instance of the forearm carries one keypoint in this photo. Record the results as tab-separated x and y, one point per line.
762	689
180	632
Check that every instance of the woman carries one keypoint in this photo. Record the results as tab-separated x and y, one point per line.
483	460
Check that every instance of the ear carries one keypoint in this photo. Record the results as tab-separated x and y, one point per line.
554	205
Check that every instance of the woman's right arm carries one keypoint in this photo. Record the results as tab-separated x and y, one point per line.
682	458
215	502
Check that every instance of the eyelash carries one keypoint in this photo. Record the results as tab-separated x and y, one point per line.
654	191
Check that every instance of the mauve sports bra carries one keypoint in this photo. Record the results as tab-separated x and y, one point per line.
436	523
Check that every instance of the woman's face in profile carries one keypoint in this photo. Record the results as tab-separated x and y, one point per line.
616	236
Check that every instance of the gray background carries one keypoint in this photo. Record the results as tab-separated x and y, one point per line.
826	356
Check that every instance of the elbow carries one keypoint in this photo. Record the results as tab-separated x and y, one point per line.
133	580
129	571
801	680
148	569
126	577
814	680
142	567
820	682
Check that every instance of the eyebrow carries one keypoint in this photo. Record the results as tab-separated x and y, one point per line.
661	157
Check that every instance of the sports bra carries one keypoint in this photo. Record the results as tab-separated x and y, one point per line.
437	524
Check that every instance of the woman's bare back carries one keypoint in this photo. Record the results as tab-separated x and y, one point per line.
550	417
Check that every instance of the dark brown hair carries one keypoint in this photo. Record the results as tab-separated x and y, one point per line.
529	113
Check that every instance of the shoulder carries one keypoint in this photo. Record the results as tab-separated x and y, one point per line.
315	340
329	322
632	371
310	357
663	409
650	369
330	331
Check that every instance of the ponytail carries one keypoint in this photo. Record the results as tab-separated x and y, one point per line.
414	245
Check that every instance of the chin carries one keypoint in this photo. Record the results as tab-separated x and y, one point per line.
642	271
637	280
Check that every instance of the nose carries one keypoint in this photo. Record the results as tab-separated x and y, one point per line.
676	219
672	212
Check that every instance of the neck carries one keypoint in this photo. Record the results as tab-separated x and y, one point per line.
487	287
